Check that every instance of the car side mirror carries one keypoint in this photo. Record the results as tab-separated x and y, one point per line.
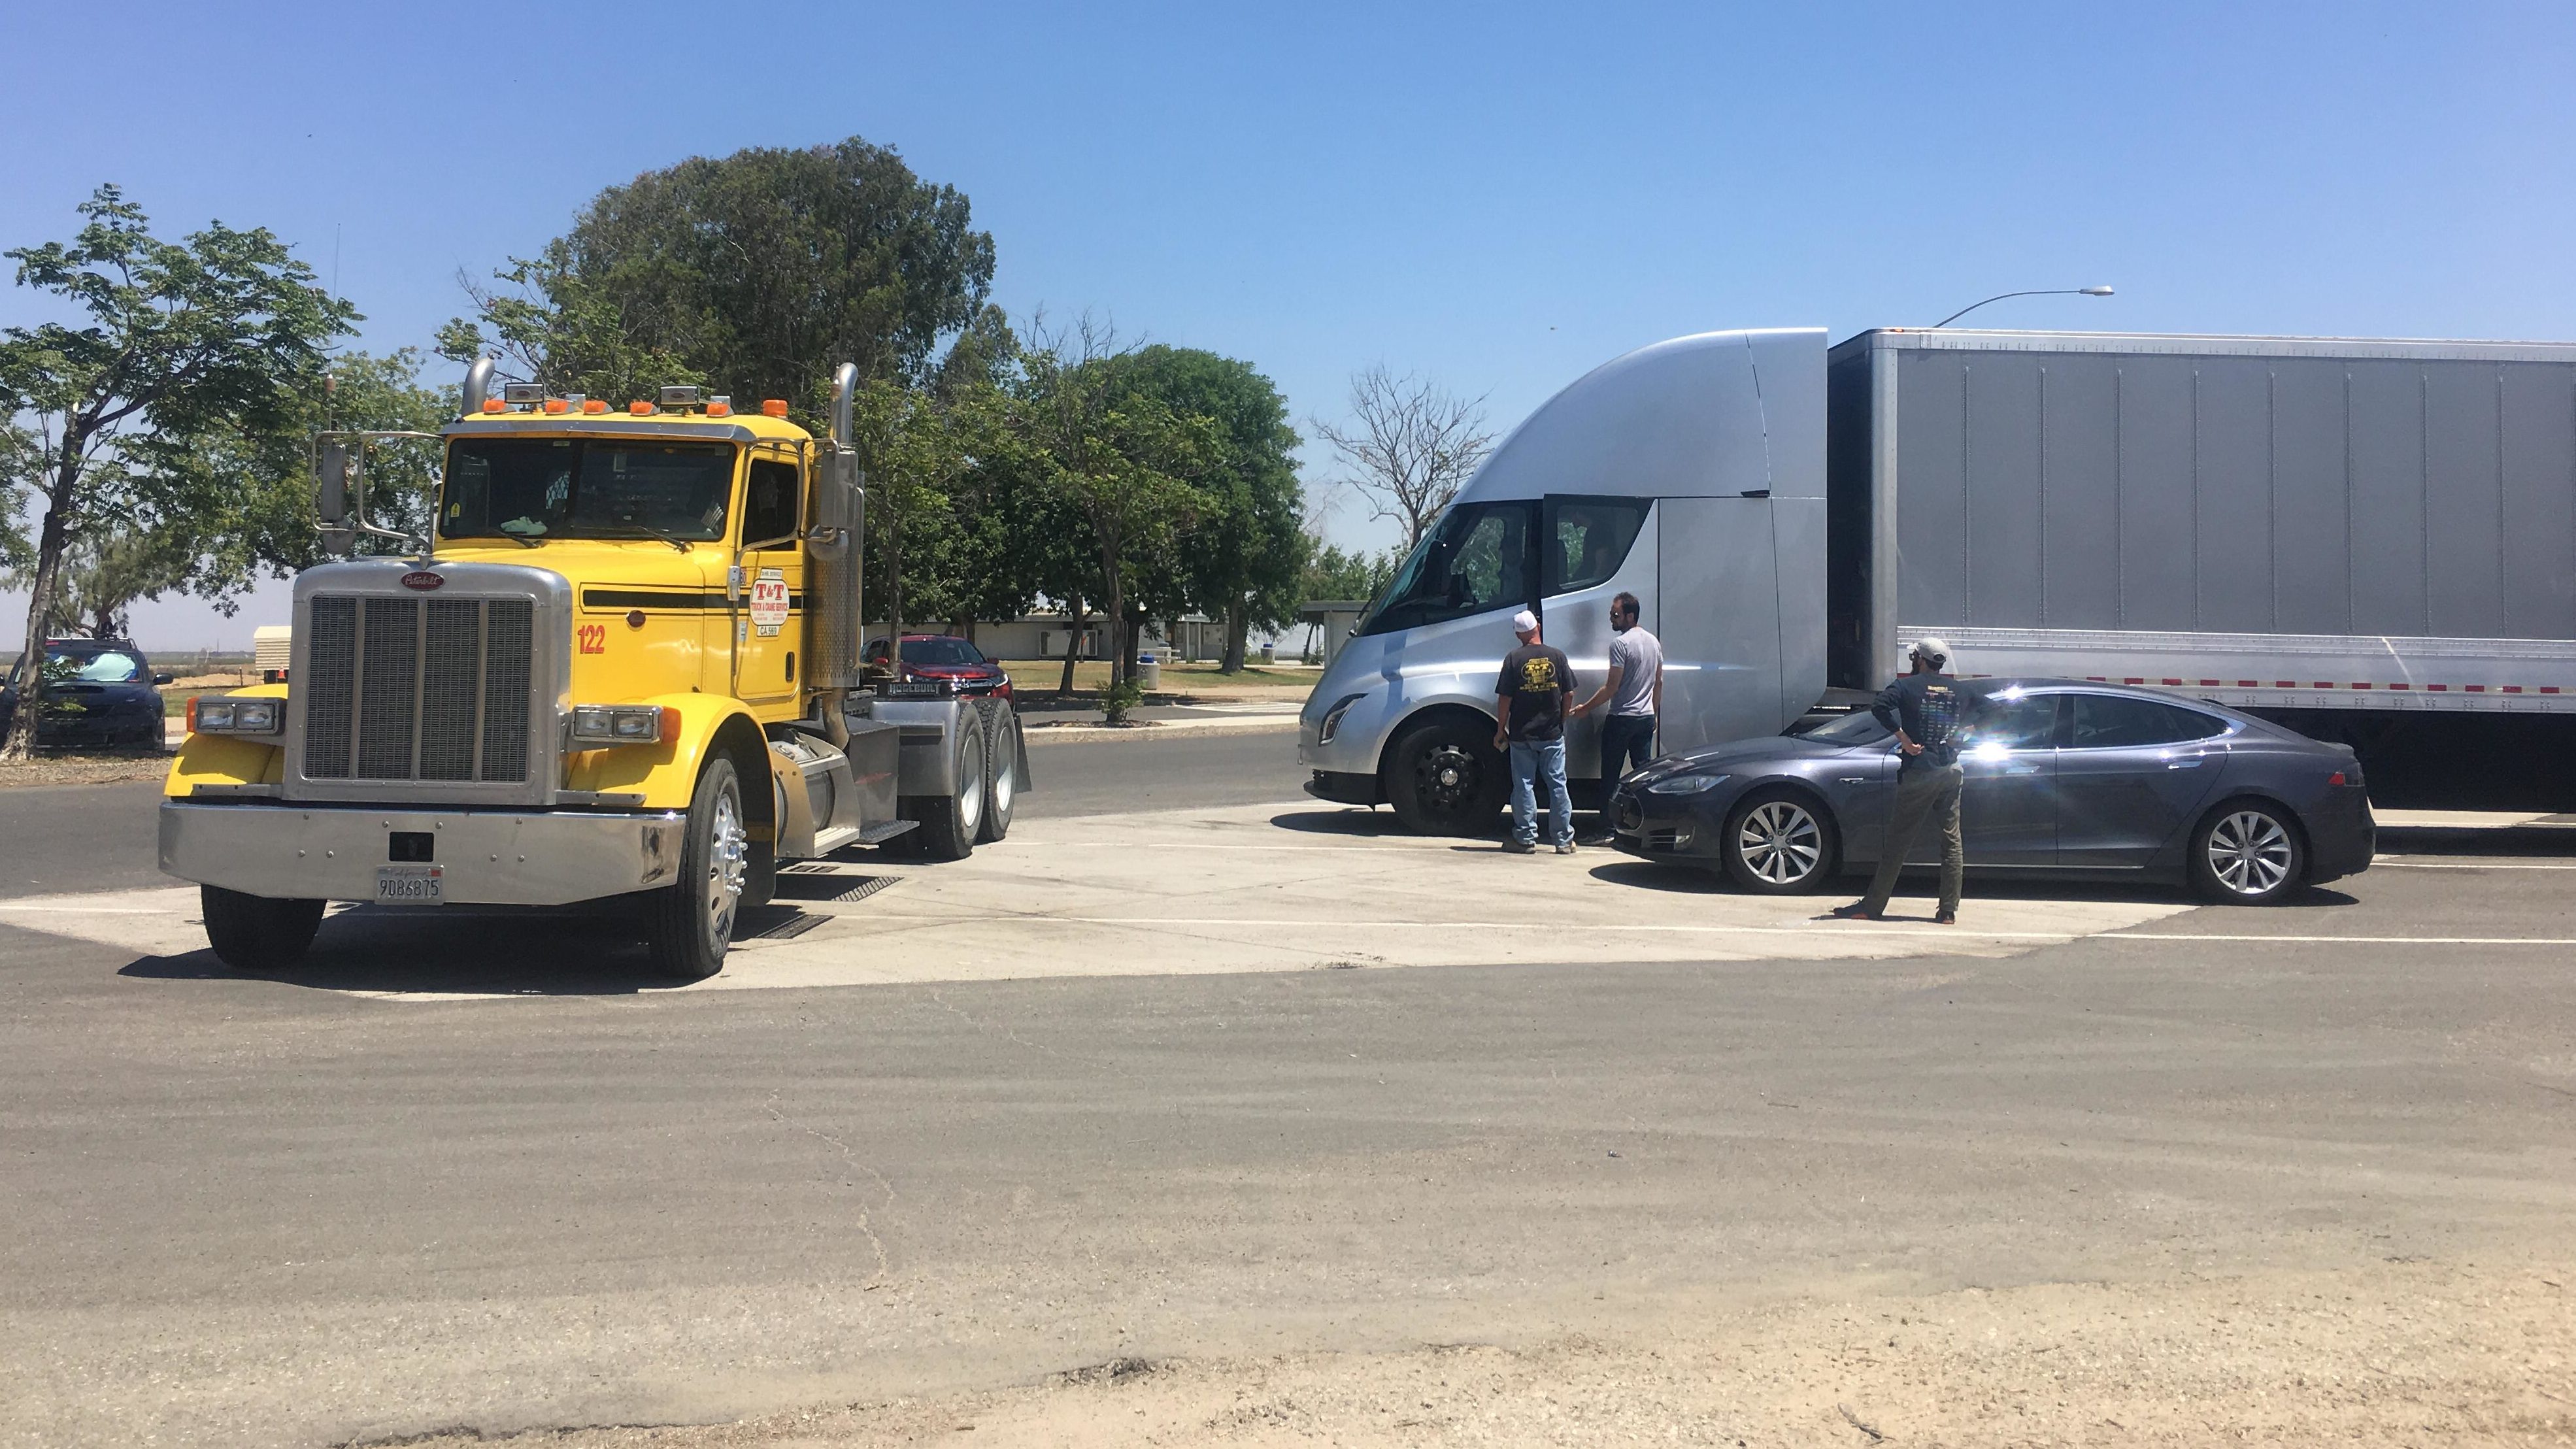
163	679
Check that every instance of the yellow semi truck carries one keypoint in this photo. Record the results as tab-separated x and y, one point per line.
621	660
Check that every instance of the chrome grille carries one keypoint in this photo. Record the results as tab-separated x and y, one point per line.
418	689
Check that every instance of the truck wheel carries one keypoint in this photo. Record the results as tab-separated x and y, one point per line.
949	823
2248	853
1001	774
258	933
690	925
1445	777
1778	843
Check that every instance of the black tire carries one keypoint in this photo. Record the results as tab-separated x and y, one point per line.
258	933
2248	853
950	823
1780	842
1444	777
1001	773
689	925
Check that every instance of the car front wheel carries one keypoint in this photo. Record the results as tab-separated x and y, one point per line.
1779	842
2248	853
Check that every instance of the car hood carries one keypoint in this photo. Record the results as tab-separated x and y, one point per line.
1737	754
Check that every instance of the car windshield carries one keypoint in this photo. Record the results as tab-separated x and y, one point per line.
940	651
1860	727
534	488
106	666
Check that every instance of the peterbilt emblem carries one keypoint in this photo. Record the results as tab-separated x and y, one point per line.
423	579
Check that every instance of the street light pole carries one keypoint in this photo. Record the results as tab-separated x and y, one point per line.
2042	292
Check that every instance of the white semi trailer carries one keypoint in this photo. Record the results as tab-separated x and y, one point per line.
2371	541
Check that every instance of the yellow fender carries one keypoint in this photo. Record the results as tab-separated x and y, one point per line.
229	759
666	774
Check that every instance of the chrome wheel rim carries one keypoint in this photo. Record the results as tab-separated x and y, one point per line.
1780	842
970	782
2250	852
728	861
1006	778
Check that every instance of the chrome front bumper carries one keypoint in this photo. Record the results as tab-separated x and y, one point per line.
489	857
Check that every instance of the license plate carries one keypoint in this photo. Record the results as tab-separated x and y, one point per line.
411	885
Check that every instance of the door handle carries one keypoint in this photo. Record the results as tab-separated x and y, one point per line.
2185	762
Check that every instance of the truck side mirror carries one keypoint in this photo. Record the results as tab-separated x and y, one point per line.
331	498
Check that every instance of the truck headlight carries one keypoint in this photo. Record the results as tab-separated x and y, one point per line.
1333	717
1685	784
597	725
223	716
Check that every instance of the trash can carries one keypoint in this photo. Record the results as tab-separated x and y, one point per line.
1270	653
1149	671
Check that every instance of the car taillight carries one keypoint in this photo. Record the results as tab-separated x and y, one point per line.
2336	778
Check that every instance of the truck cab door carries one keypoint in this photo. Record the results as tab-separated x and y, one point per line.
768	596
1591	549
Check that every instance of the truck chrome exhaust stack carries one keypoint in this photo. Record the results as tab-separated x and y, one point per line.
834	556
478	386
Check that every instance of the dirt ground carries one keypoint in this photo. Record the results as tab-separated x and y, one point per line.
84	767
2406	1353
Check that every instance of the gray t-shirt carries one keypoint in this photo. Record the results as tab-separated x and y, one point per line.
1639	658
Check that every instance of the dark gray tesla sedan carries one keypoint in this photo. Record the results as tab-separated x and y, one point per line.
2063	777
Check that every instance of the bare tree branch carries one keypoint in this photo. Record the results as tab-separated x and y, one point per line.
1410	446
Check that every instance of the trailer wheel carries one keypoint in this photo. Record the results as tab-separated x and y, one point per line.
949	823
1001	773
258	933
2248	853
1779	843
1445	777
690	924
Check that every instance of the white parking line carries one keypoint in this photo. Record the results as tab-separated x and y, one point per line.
1947	933
2461	865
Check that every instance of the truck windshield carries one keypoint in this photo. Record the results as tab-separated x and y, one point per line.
1477	558
533	488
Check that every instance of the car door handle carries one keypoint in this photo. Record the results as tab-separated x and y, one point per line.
2185	762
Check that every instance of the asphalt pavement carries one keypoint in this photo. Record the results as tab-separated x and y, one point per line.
261	1212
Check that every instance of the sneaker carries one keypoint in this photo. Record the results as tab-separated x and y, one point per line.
1853	912
1946	918
1521	847
1605	838
1566	848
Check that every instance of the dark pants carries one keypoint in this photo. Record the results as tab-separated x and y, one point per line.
1926	793
1627	742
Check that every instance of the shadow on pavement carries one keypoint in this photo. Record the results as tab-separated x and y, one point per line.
2537	841
1687	880
473	951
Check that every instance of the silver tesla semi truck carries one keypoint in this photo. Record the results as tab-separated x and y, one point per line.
2373	542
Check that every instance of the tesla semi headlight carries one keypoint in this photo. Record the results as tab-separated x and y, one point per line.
1686	785
1333	717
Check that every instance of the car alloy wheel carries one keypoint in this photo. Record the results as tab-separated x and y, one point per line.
1780	842
2249	853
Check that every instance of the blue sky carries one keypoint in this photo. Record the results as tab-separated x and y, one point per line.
1497	196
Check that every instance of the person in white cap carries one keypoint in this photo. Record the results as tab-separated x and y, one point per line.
1924	709
1530	697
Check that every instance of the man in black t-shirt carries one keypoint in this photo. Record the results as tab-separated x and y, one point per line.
1530	698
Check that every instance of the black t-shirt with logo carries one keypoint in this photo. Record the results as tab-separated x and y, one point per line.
1536	679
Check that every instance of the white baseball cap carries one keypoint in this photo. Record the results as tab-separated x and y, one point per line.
1524	622
1932	650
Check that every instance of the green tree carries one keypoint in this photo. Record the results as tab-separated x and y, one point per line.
216	335
1241	556
1113	453
756	273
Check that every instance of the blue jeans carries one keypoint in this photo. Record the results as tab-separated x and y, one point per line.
1627	743
1531	758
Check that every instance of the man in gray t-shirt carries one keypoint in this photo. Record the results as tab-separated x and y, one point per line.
1635	690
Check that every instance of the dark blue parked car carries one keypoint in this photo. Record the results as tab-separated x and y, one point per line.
2063	777
98	692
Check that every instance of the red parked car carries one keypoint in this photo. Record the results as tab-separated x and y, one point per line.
946	657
